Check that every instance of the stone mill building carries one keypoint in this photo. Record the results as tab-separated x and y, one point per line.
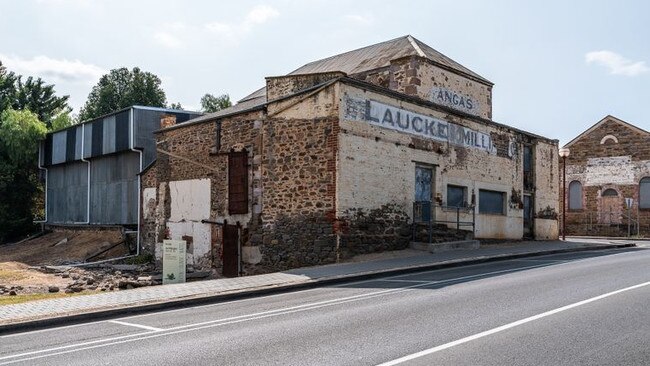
608	180
340	156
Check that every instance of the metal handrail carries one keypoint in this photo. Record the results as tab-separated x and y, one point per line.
420	216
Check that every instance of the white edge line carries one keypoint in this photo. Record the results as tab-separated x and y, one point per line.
224	321
136	325
507	326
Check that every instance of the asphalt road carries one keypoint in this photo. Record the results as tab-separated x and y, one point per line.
590	308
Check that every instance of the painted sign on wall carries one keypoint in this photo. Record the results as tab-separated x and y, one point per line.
387	116
454	100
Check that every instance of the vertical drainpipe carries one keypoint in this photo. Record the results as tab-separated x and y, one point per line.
132	147
83	142
40	155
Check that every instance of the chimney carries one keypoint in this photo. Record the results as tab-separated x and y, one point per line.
167	120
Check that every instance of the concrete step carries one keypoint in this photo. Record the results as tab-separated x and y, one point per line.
449	245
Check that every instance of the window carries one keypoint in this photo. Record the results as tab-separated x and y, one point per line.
528	168
491	202
238	182
644	193
610	193
575	195
456	196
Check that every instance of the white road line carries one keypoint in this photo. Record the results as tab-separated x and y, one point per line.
404	281
232	320
508	326
136	325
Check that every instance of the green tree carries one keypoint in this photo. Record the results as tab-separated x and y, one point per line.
38	97
63	119
176	106
20	132
121	88
210	103
7	88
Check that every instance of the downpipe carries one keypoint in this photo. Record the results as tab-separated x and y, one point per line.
132	148
40	166
83	143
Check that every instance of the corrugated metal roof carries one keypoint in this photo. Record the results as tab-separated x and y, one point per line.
377	56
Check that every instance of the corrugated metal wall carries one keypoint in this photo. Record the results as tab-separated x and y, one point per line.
114	189
146	122
114	167
67	192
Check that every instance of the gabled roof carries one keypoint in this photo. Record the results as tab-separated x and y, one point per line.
364	59
378	56
608	117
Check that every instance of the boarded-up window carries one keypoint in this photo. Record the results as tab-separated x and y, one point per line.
644	193
238	182
491	202
575	195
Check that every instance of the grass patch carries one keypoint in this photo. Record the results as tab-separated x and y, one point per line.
21	298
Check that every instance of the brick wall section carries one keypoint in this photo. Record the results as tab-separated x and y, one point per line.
619	166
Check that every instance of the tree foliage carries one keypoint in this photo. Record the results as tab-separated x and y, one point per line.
210	103
31	94
20	132
28	109
121	88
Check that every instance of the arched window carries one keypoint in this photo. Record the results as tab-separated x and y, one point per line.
575	195
644	193
610	192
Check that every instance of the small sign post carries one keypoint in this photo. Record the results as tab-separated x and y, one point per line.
629	202
174	261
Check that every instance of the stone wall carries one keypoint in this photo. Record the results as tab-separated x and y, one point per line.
298	176
281	86
376	167
612	155
419	77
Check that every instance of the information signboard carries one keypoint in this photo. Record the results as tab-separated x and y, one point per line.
174	261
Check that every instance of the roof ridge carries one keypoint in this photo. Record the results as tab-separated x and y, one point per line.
413	43
351	51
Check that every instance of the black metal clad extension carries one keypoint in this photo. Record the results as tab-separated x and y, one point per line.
97	137
70	144
122	131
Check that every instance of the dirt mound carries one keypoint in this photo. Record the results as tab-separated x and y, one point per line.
65	247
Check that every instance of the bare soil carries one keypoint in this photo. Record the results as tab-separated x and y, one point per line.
41	265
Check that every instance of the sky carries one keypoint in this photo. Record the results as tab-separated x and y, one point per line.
558	66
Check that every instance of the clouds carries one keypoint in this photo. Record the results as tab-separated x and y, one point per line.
617	64
53	70
233	31
363	20
177	34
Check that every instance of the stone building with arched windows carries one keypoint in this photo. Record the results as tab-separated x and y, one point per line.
608	180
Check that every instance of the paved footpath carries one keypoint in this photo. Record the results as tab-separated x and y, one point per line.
37	314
